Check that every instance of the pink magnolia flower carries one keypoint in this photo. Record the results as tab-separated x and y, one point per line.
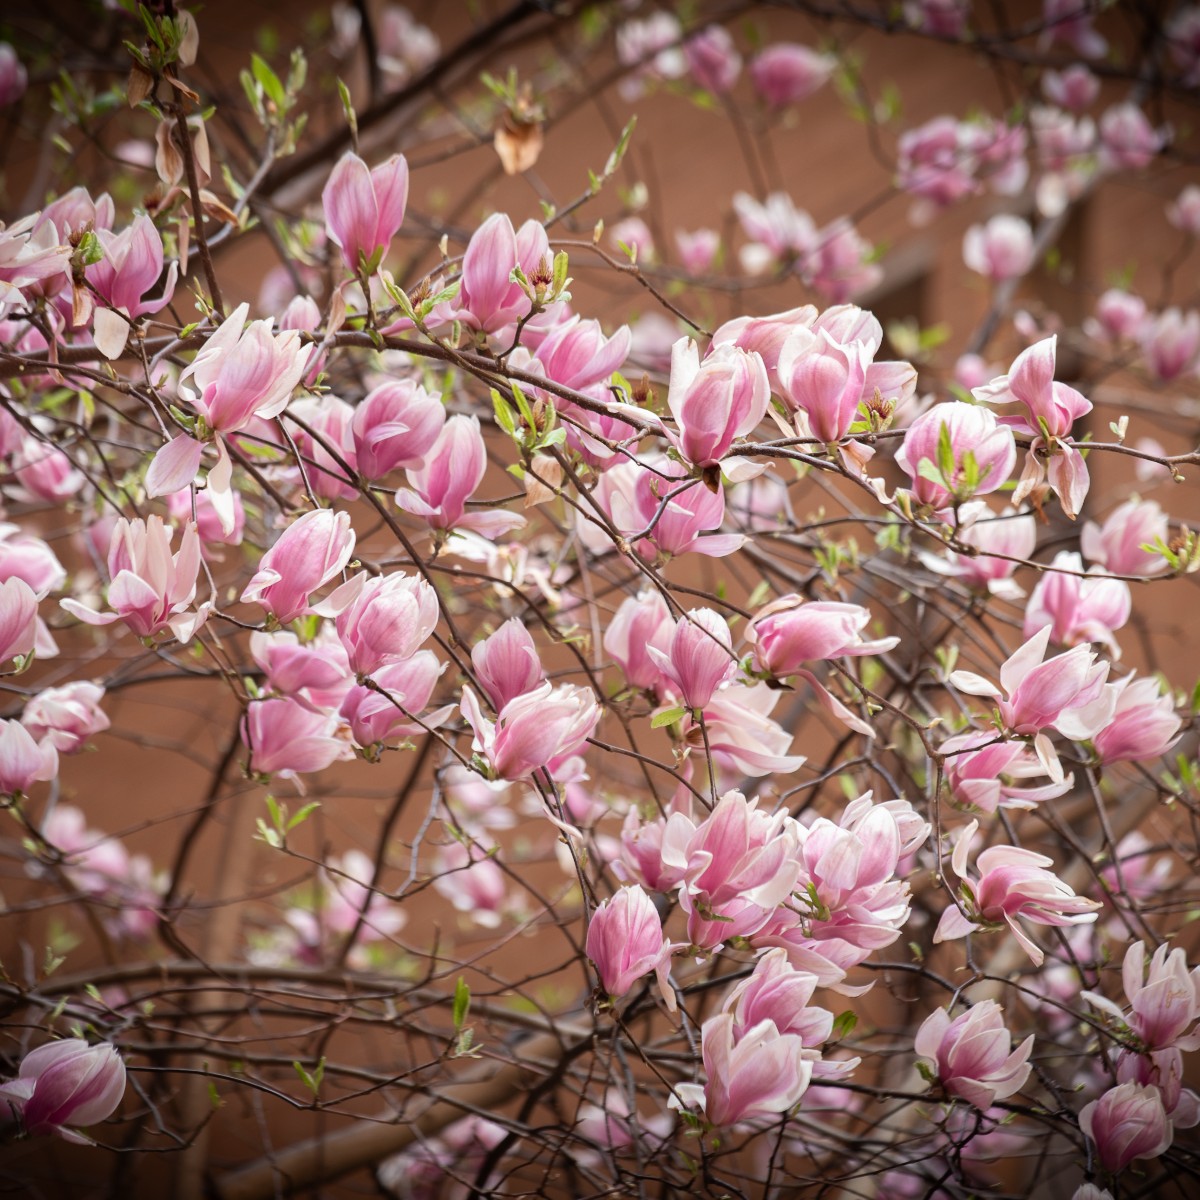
641	621
1144	724
364	208
402	691
131	265
490	299
697	250
775	991
24	761
1163	1071
840	264
652	47
698	656
182	504
1078	608
475	886
316	673
66	716
779	232
1074	87
740	733
971	1054
383	619
395	425
1127	139
934	162
943	18
998	540
736	867
576	353
1164	998
46	472
1117	544
1119	316
534	730
760	1074
988	777
1001	249
14	79
1184	211
329	419
625	941
507	664
824	379
967	450
309	553
785	73
766	336
66	1084
1012	883
285	738
24	556
713	59
151	589
1070	21
1128	1122
454	467
18	619
1171	343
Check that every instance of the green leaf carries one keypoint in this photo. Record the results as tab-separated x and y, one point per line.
614	159
843	1025
303	815
667	717
313	1081
505	417
269	82
462	1002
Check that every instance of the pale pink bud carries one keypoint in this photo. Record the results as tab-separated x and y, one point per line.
971	1054
761	1074
507	663
625	941
1184	211
715	401
383	619
1128	1122
1117	544
285	738
46	472
967	450
14	79
824	379
790	632
395	426
533	730
65	1084
1078	609
1119	314
488	294
66	716
1171	343
1001	249
18	619
454	467
697	250
475	886
406	687
1127	139
151	589
698	656
1144	725
786	73
365	207
309	553
713	59
1074	88
23	761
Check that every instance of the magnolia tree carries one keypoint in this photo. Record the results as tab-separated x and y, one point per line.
637	743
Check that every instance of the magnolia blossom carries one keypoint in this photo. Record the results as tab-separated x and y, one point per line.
18	619
1074	87
66	1084
384	619
489	297
577	354
1144	723
954	451
642	621
285	738
1170	342
310	552
652	47
534	730
760	1074
129	267
777	229
697	658
1128	1122
365	207
1012	883
1117	545
712	59
625	941
23	760
395	425
784	73
971	1054
986	773
454	467
715	401
1078	607
1119	316
389	710
739	733
66	715
1001	249
150	589
1001	543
